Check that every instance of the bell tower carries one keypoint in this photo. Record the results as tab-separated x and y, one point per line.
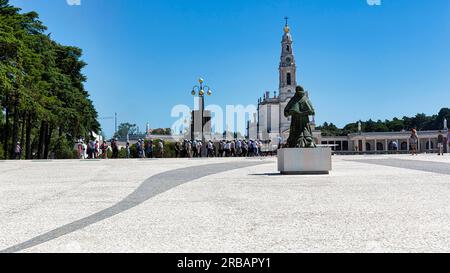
288	78
287	69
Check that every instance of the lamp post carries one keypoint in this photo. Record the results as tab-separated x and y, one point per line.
201	90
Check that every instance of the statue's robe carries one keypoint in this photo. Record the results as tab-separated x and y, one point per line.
300	108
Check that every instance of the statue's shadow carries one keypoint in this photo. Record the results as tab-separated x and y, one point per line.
290	174
266	174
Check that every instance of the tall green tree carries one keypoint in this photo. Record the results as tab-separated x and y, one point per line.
126	129
41	88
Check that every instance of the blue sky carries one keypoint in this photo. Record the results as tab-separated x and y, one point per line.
357	61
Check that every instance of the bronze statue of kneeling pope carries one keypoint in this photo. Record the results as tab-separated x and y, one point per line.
299	109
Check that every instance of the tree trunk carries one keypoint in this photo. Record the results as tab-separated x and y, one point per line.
15	131
41	140
22	134
48	138
28	138
5	144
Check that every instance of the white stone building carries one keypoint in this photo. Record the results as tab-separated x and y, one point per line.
383	142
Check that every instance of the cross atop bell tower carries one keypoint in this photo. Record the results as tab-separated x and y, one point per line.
287	69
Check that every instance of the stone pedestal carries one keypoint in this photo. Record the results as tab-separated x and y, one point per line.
304	161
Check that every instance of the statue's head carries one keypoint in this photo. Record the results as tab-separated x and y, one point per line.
299	90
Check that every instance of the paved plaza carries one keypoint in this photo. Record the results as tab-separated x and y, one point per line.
385	203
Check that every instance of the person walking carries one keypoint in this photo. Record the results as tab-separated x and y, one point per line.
259	146
127	148
440	143
245	149
88	150
184	149
221	148
96	149
215	146
194	148
395	146
414	140
189	149
80	149
227	148
91	149
104	149
199	148
238	147
115	149
269	148
18	151
251	149
210	149
150	149
232	149
84	156
138	148
143	148
161	148
448	142
177	149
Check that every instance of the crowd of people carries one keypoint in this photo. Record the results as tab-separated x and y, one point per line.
145	149
93	150
183	149
222	148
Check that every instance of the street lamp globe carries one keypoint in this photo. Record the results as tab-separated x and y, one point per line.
201	93
209	93
193	92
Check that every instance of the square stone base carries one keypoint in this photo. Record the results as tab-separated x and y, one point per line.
304	161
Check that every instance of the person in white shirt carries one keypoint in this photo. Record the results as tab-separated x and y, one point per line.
238	147
210	149
84	151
